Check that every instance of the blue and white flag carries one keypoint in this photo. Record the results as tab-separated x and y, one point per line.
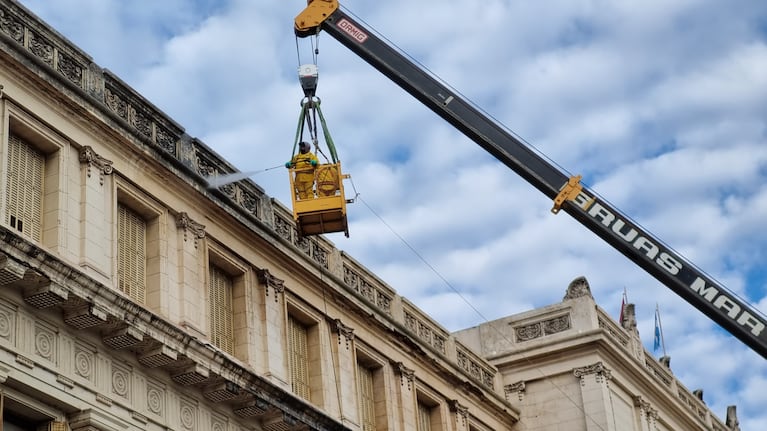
658	339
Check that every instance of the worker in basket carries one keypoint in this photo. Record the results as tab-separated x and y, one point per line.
304	163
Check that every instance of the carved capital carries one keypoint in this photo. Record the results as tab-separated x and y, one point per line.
90	159
598	369
518	387
268	280
343	331
184	222
460	410
405	374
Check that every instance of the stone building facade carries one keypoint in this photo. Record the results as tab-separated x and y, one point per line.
134	297
569	366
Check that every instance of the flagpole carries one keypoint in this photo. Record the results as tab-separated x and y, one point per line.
660	327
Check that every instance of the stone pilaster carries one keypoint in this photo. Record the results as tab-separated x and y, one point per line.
272	330
95	227
406	396
596	396
460	415
191	273
343	350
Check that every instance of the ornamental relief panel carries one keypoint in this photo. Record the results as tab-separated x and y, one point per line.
542	328
7	325
188	414
84	363
121	381
155	399
45	343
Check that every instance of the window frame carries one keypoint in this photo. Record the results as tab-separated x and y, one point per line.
240	275
52	146
313	324
155	216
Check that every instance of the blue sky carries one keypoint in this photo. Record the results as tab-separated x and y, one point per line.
660	105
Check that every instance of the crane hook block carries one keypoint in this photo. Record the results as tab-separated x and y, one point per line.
308	76
568	192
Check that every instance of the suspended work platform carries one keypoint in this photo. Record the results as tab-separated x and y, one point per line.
323	209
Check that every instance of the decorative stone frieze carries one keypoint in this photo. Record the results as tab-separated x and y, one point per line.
185	223
89	157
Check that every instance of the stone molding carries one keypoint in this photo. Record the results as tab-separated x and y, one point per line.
343	331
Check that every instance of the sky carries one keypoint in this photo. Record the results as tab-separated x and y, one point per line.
660	105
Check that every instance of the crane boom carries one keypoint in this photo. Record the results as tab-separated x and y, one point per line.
673	270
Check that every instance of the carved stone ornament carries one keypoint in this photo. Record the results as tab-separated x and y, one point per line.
598	368
518	387
268	280
90	158
187	224
405	374
343	331
578	288
460	410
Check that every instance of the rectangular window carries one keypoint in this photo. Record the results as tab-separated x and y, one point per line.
131	253
424	417
366	397
221	309
24	188
298	358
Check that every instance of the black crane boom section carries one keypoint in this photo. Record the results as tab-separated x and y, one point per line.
673	270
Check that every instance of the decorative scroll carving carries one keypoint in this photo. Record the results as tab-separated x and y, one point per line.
405	374
646	411
268	280
578	288
598	369
187	224
70	68
545	327
461	410
518	387
529	332
11	26
558	324
90	158
39	46
343	331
